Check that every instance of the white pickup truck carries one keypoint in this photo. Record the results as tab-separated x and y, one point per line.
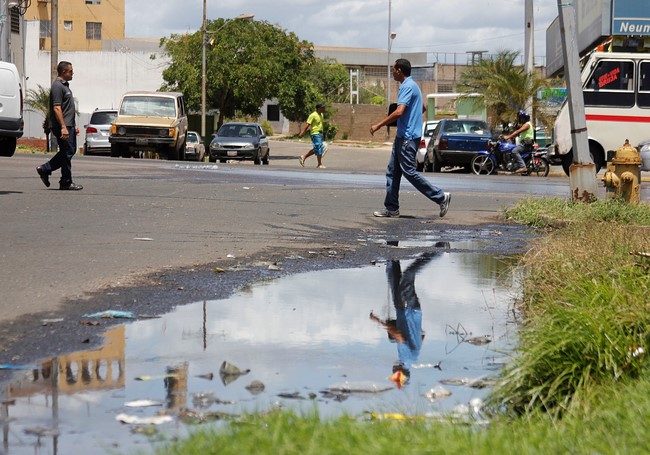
11	108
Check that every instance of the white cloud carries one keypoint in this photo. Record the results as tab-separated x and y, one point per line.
431	25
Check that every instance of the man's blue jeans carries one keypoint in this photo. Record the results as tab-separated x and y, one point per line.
402	162
63	158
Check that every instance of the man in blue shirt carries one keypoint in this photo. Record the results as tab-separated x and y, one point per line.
407	140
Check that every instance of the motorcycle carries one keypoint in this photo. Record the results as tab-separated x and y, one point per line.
499	156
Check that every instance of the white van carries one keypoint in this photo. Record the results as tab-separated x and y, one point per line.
11	108
616	89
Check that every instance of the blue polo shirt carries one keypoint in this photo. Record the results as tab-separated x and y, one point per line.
409	125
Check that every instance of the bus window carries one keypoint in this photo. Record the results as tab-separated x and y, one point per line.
643	98
610	84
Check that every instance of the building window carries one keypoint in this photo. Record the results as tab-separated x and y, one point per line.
45	30
93	30
15	20
67	25
273	113
643	97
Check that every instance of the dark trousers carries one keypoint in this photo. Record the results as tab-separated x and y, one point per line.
63	159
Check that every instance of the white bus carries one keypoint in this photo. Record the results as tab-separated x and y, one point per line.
616	89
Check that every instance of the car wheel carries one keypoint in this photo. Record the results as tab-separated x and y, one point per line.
256	159
567	160
212	159
222	160
116	150
7	146
436	165
85	152
172	154
265	160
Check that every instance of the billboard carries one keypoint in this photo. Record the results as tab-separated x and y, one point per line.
595	21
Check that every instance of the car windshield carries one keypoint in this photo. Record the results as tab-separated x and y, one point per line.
466	127
237	131
154	106
103	118
192	137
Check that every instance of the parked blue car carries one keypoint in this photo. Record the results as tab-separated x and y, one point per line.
455	142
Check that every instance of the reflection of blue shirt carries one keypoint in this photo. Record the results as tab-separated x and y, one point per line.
409	323
409	124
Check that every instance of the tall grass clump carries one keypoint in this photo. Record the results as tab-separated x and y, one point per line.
585	297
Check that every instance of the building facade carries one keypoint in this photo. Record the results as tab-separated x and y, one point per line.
83	24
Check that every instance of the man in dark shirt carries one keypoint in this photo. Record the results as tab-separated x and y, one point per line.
62	123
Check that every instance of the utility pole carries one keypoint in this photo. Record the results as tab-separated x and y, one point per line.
582	173
54	38
529	49
5	31
388	76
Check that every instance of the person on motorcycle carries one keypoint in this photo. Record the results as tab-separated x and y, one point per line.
526	135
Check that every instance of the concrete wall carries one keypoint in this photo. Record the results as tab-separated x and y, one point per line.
100	78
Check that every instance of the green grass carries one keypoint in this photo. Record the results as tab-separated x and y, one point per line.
579	381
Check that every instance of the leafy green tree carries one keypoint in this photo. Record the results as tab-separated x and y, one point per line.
246	63
505	87
39	101
320	81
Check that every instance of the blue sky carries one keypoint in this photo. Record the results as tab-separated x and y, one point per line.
421	25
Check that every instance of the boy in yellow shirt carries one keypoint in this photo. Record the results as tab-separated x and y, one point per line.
315	125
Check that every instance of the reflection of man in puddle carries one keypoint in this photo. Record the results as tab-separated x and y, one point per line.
406	329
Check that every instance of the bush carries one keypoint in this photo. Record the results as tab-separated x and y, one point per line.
267	127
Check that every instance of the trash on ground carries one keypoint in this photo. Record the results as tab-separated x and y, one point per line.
9	366
109	314
51	321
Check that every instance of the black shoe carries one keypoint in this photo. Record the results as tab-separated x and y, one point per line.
44	175
71	187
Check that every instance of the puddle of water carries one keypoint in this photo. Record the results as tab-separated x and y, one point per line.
298	335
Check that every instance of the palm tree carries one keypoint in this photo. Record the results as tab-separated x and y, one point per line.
505	87
39	101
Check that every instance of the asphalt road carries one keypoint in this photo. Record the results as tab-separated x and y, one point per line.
138	219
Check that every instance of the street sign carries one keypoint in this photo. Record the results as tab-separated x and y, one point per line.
630	17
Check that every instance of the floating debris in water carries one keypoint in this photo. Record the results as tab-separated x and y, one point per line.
142	403
359	387
229	372
485	339
256	387
136	420
437	393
